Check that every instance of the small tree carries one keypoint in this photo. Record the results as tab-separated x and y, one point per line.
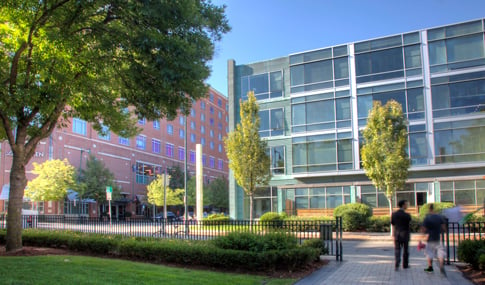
54	178
155	193
217	193
246	151
94	180
384	155
176	177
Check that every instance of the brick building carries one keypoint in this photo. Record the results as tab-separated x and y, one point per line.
131	160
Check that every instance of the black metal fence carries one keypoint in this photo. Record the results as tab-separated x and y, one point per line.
455	233
330	232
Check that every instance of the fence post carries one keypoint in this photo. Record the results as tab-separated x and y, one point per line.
447	239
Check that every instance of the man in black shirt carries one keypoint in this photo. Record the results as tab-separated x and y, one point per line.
434	224
400	220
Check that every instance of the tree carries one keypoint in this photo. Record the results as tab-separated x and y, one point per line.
246	152
95	178
217	193
384	155
107	62
156	193
177	177
54	178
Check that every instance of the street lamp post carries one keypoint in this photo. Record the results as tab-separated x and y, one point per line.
185	177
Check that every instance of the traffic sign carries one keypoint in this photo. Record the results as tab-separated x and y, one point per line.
109	189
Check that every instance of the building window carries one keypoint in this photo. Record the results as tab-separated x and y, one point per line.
181	119
192	138
170	129
324	152
212	162
211	97
181	153
192	156
79	126
169	150
277	158
271	122
202	105
141	142
211	122
181	133
220	164
219	114
265	86
219	136
456	47
104	134
211	110
211	133
202	129
219	102
220	147
124	141
202	141
155	146
192	125
202	117
156	125
219	126
211	144
204	160
142	121
192	112
145	173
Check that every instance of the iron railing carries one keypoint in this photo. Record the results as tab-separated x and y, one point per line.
330	232
455	233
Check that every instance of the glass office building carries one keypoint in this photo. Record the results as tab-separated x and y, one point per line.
314	105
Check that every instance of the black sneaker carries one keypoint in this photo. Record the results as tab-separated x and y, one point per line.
429	269
443	272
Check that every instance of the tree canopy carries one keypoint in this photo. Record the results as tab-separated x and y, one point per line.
94	179
107	62
54	178
156	193
217	193
248	158
384	156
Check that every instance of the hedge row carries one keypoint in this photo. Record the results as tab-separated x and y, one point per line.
182	252
473	253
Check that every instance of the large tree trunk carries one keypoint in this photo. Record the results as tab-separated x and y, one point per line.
18	181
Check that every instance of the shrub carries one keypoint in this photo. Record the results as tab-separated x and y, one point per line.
317	244
378	224
481	262
216	219
438	207
362	209
256	243
270	216
415	225
469	251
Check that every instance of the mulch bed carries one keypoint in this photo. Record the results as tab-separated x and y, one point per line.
35	251
475	276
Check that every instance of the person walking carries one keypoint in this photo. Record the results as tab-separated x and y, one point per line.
400	221
434	224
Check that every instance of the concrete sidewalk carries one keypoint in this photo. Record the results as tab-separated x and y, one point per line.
371	261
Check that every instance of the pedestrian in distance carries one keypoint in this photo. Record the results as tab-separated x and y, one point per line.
434	224
400	221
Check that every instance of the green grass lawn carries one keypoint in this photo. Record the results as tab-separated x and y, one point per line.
65	269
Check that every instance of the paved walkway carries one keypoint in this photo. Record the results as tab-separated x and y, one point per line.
371	261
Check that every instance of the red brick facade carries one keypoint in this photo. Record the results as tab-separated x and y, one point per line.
207	124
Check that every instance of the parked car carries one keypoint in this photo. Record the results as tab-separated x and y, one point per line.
171	217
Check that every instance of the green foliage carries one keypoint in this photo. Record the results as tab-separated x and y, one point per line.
256	243
270	216
106	63
54	178
246	152
261	253
217	193
481	261
469	251
216	219
316	243
363	209
438	207
156	193
95	178
378	224
384	152
177	177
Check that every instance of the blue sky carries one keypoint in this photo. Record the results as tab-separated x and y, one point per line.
266	29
